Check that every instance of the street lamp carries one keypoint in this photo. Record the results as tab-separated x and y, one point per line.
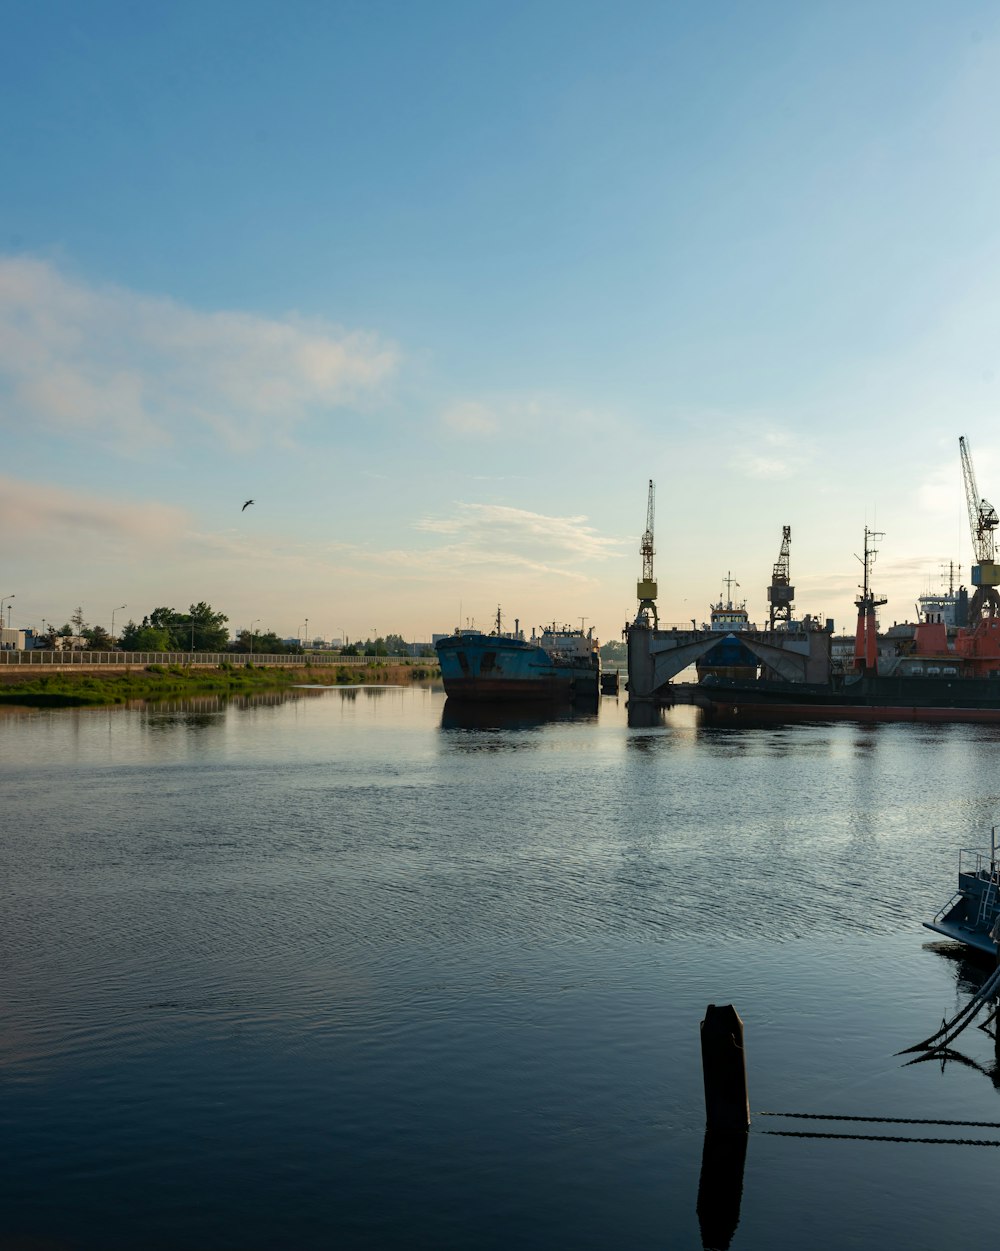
307	631
113	611
2	602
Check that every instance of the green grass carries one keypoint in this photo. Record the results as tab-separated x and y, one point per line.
64	690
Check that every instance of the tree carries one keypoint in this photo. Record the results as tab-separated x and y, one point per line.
145	638
396	645
201	629
79	624
98	639
211	629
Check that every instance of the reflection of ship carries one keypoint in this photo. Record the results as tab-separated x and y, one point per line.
729	658
560	663
509	715
973	911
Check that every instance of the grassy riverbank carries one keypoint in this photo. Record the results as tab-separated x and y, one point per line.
68	690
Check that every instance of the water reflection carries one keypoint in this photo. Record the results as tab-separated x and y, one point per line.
459	715
720	1187
644	716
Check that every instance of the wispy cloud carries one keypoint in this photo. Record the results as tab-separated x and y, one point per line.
541	412
137	370
470	418
771	453
497	535
45	512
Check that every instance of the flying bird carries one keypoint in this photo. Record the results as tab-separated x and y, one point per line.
246	506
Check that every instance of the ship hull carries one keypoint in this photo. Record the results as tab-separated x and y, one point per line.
488	668
857	698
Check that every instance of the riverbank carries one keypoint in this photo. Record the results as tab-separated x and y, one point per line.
26	688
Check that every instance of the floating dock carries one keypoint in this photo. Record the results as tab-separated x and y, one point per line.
655	657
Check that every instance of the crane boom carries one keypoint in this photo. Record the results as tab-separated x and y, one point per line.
781	593
646	547
983	520
646	586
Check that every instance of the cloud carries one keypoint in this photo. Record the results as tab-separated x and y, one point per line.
497	535
470	418
531	413
771	454
138	370
45	511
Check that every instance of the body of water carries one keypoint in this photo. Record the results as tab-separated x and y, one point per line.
349	968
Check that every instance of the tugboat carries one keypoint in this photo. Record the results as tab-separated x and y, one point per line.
972	915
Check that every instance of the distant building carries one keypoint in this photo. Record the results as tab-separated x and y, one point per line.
70	643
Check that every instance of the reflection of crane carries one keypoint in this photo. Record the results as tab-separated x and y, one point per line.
983	520
781	592
646	586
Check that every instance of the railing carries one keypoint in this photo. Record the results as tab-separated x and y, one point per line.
98	659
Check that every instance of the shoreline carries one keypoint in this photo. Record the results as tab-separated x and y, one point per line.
93	686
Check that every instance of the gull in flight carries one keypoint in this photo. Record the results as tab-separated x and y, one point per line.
246	506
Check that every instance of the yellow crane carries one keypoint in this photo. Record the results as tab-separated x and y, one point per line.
646	586
983	520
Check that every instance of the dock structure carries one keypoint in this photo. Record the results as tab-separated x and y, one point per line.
655	657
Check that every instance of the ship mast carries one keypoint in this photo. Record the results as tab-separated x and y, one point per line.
866	637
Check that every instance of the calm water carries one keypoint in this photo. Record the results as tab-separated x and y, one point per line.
347	970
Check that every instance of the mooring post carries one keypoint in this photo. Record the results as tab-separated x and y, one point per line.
724	1066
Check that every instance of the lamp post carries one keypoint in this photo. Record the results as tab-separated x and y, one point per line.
113	611
2	602
307	631
256	621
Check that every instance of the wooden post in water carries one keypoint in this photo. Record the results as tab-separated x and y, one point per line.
724	1067
727	1107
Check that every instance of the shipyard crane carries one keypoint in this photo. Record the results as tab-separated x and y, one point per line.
646	586
781	592
983	520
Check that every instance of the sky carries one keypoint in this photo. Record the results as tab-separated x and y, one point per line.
442	286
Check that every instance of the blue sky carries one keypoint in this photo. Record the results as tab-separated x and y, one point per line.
442	285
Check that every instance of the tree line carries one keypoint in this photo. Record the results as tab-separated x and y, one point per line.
200	629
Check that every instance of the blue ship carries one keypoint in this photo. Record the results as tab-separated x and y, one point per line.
729	658
560	664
